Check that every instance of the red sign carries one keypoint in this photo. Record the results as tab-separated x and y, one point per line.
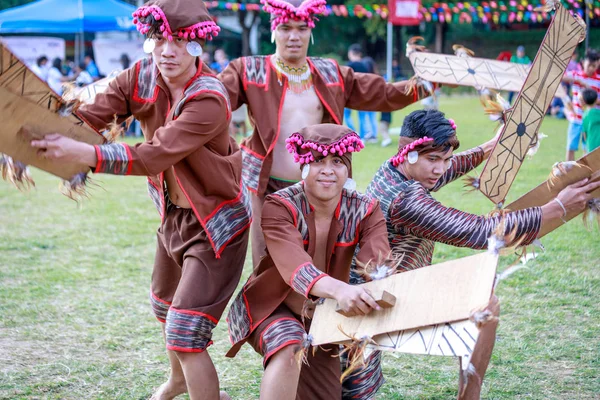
404	12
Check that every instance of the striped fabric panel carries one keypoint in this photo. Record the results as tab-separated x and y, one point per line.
203	84
461	164
417	216
229	220
160	307
304	278
157	196
353	209
114	159
280	333
188	331
256	70
364	383
239	322
328	69
146	84
296	196
251	166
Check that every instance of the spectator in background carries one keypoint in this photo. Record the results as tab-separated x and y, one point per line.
371	115
82	76
355	56
40	68
586	78
205	57
55	76
91	68
574	64
591	119
125	61
386	117
504	56
519	58
221	61
557	108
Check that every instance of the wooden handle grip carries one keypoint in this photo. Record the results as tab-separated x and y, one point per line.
383	298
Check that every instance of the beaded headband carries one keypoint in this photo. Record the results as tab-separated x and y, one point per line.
283	11
349	143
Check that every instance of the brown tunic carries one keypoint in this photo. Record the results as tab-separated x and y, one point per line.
253	81
190	136
288	270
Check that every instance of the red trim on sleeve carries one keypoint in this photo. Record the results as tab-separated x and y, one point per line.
307	293
129	158
198	313
99	158
296	271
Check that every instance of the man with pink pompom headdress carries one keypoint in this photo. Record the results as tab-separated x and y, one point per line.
311	229
194	179
288	91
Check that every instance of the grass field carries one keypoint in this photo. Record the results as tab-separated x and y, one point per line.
76	321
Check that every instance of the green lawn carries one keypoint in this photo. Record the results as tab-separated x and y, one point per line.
76	321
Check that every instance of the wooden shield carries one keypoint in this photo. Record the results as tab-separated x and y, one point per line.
471	71
16	112
525	117
546	191
436	294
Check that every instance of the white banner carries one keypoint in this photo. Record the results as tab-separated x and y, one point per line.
30	48
108	52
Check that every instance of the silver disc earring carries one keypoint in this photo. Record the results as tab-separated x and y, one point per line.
194	49
305	171
350	184
413	156
312	39
149	45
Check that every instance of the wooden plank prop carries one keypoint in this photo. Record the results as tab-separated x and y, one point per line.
436	294
525	117
471	71
16	113
587	166
16	77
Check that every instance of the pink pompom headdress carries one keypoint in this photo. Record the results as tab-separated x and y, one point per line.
322	140
187	19
282	11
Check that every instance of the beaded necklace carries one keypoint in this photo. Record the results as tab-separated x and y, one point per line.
300	79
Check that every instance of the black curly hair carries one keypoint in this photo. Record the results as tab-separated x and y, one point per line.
430	123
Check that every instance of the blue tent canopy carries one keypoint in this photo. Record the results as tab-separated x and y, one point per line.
68	16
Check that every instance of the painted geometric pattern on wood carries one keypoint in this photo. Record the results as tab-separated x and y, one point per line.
16	77
525	118
453	339
475	72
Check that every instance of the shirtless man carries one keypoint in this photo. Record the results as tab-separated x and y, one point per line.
194	178
311	229
288	91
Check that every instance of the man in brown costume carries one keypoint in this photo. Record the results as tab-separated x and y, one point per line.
311	231
288	91
194	178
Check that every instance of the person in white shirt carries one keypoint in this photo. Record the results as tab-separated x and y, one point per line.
39	68
83	77
55	76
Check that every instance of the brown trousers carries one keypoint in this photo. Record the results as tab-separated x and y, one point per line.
190	286
320	378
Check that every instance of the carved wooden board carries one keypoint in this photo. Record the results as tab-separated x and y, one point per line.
436	294
453	339
525	118
17	112
471	71
545	193
16	77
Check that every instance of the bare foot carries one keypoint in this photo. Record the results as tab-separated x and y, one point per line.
169	390
224	396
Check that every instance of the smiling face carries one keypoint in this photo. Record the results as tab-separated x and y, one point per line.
326	178
429	168
172	58
291	40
